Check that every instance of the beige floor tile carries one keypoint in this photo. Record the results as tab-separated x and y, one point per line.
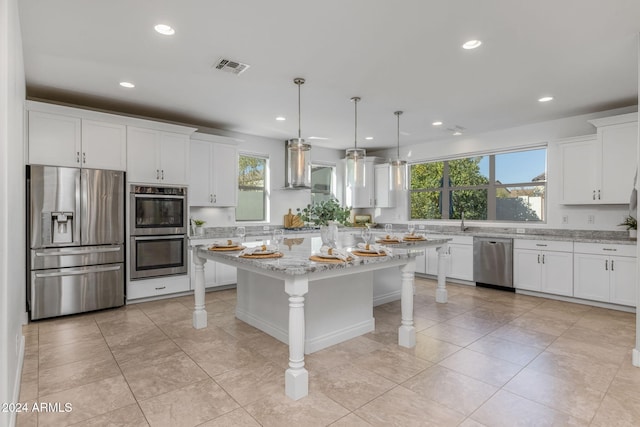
452	389
237	418
452	334
268	347
169	312
485	368
128	416
440	312
471	423
510	351
144	354
615	334
198	340
26	419
542	323
430	349
225	358
74	352
351	420
238	329
343	353
74	374
495	313
224	295
574	398
128	321
164	375
523	335
576	369
351	385
594	351
188	406
422	323
56	324
393	364
402	407
616	411
506	409
252	382
142	335
51	337
279	410
88	401
475	324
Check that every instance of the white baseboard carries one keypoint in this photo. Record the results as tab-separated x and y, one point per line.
16	385
635	357
611	306
385	298
310	345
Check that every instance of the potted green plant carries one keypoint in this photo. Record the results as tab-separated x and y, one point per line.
326	214
199	223
632	225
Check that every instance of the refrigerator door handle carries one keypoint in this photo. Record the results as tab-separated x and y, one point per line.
77	252
163	237
76	272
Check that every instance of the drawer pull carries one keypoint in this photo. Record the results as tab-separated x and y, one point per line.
609	249
540	244
161	288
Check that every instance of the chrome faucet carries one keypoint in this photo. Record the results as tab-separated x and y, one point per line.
462	227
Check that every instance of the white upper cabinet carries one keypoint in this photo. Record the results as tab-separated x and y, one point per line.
155	156
61	140
383	198
214	172
599	169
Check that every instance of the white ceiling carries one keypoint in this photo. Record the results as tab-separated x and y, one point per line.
396	55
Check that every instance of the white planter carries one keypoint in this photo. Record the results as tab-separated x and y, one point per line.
633	234
199	231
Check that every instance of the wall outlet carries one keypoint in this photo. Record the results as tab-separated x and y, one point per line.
520	230
591	219
565	219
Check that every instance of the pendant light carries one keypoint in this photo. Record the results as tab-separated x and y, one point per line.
398	167
355	157
298	160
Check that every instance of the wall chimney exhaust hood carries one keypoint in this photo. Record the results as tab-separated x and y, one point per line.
298	175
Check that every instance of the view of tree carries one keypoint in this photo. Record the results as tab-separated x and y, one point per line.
251	172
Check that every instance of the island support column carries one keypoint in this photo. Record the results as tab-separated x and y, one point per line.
296	378
443	258
199	312
407	331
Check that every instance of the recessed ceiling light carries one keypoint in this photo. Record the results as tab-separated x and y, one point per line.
438	123
546	99
164	29
472	44
369	138
457	133
281	119
128	85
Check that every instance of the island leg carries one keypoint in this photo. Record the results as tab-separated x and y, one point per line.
407	331
199	312
443	258
296	378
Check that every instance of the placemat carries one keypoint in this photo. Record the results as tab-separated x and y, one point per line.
358	253
388	241
263	256
414	239
317	258
226	248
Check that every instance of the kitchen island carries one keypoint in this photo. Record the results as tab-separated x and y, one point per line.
271	296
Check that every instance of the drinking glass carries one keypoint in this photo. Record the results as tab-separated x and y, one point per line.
278	237
388	228
241	232
411	228
366	235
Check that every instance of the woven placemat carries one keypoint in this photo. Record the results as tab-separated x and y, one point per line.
388	241
226	248
358	253
317	258
414	239
262	256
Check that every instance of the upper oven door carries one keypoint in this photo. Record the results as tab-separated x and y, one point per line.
158	214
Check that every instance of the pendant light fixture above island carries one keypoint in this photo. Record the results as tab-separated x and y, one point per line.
298	159
355	157
398	167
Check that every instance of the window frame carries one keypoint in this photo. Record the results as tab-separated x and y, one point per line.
266	187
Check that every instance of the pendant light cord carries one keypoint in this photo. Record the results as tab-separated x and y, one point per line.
299	81
355	100
398	113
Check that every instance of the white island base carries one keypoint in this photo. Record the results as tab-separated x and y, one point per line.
336	309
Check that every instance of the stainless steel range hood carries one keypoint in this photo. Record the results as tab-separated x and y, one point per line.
297	159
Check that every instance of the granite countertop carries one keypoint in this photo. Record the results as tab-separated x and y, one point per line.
298	250
586	236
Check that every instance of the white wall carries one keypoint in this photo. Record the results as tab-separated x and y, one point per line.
280	200
12	225
606	217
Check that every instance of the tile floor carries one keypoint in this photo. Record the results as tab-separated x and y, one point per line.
486	358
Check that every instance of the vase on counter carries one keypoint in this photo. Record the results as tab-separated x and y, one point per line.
329	235
633	234
199	231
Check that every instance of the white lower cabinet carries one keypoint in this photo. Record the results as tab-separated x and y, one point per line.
215	273
543	266
460	261
605	273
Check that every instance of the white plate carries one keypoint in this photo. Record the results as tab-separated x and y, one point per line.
327	256
366	251
262	253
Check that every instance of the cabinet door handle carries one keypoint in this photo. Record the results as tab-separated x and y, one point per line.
611	265
162	176
594	194
609	249
543	258
84	157
214	198
598	194
540	244
606	264
157	173
538	258
77	157
210	198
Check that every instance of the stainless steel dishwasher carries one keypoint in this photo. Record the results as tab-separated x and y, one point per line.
493	262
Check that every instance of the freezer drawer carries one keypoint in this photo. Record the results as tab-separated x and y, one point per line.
76	256
75	290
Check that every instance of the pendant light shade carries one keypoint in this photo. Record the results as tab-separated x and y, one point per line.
355	157
398	167
298	159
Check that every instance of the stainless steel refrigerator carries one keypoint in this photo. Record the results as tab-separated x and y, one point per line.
75	234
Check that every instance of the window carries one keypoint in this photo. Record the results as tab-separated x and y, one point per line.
252	188
499	187
322	183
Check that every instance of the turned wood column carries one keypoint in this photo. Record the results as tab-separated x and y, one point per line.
296	378
443	259
199	312
407	331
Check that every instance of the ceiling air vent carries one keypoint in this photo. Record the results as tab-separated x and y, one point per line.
231	66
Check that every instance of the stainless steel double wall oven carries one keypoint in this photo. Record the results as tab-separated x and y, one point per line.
158	228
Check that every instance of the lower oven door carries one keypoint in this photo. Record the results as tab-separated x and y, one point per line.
153	256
